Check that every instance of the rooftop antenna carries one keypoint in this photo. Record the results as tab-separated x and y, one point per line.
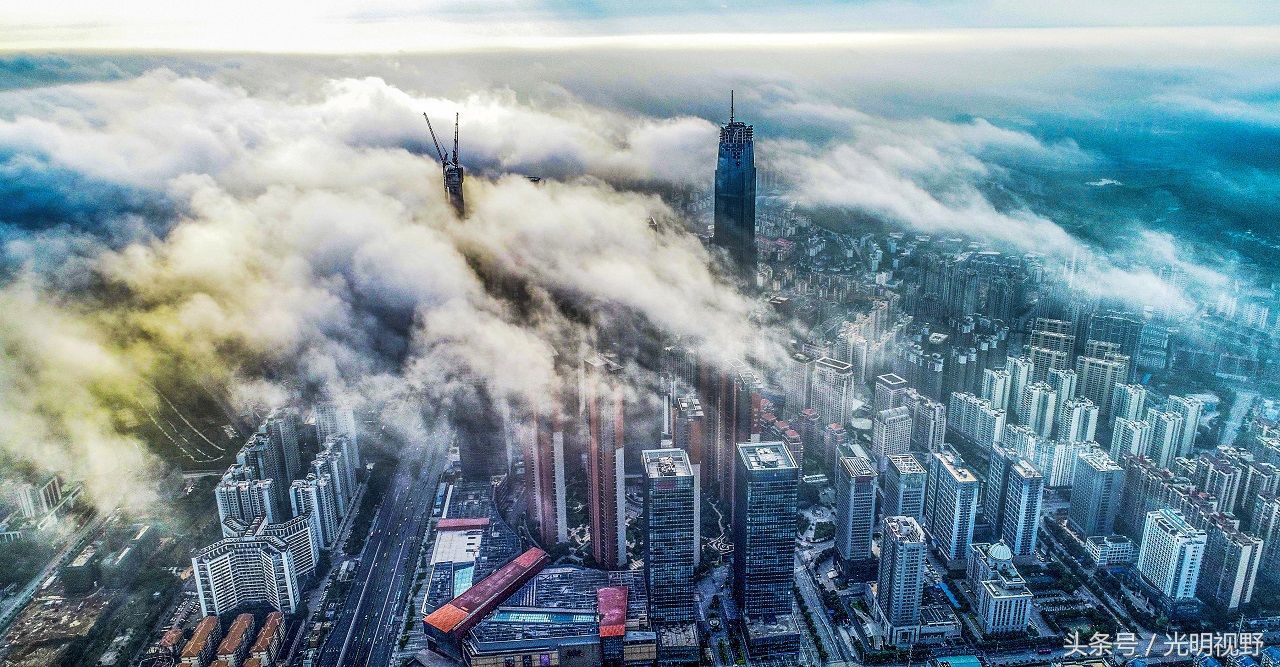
731	106
456	116
439	152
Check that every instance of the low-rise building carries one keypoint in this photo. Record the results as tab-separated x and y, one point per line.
235	645
1003	599
1111	550
199	650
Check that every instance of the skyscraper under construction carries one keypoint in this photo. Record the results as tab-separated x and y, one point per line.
453	172
735	212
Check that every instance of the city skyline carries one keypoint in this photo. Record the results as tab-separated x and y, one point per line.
861	333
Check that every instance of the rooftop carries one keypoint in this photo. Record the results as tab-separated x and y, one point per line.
891	380
903	528
678	634
1099	459
1023	468
906	463
834	365
237	634
958	661
857	467
611	605
955	467
666	463
462	524
270	628
200	638
766	456
564	603
466	610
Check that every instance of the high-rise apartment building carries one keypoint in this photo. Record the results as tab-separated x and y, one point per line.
1166	436
833	390
1078	421
313	497
904	482
1039	408
606	499
1095	493
244	499
1129	401
855	510
1098	378
797	382
900	582
1190	409
1230	569
975	419
890	392
928	423
1064	383
1020	374
995	387
545	467
281	426
1171	554
1020	515
890	434
1122	329
951	507
264	564
1130	437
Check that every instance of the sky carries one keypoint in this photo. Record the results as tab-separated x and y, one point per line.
250	204
332	26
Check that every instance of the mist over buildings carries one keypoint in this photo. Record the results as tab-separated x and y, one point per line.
276	226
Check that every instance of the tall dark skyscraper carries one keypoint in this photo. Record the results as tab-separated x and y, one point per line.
481	432
606	499
735	221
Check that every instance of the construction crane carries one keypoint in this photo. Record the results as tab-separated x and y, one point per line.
453	172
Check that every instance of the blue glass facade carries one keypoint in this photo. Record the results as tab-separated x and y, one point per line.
735	211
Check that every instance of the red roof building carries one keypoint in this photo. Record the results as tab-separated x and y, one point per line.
462	524
464	611
611	603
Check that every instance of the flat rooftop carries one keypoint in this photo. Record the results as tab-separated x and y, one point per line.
1024	469
464	611
906	464
564	603
666	463
904	528
955	467
766	456
892	380
857	467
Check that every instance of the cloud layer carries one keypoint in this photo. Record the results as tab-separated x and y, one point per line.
304	244
272	231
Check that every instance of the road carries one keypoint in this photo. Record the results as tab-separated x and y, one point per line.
365	631
832	643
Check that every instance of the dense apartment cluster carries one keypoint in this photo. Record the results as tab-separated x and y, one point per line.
943	391
277	513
